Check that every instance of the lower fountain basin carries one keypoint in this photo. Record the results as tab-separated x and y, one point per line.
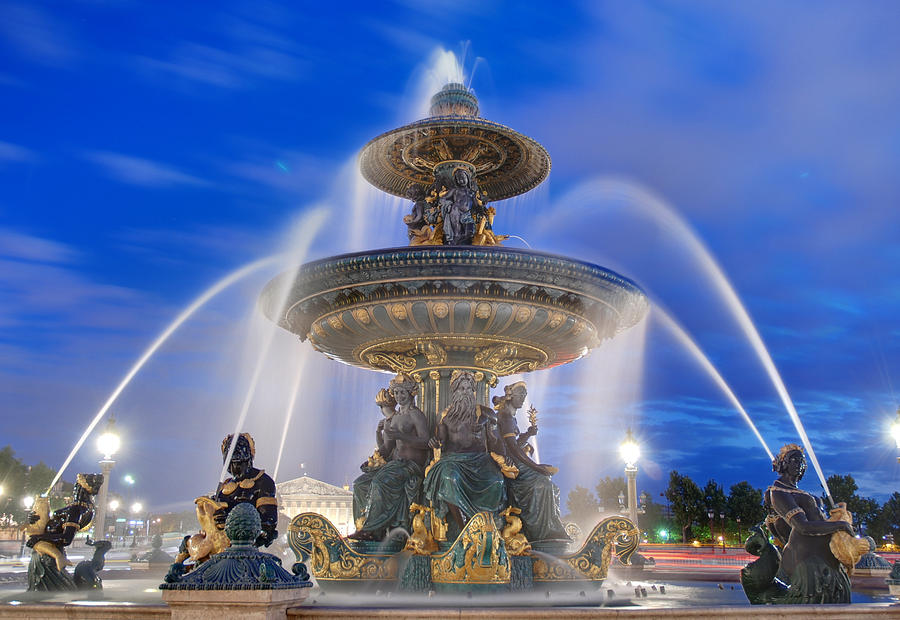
493	310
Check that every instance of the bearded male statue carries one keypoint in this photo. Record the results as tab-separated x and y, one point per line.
465	480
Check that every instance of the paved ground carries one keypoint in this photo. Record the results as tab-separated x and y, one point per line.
691	577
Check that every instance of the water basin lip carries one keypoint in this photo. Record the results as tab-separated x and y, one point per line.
471	252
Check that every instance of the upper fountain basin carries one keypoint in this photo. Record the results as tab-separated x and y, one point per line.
505	162
490	309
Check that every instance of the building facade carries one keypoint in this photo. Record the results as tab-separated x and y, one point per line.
307	494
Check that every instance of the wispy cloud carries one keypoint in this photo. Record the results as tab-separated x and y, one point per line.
138	171
20	246
168	244
35	34
283	170
10	152
251	53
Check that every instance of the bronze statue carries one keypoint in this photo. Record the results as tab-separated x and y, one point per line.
532	491
459	205
807	571
50	533
247	484
417	222
466	476
392	478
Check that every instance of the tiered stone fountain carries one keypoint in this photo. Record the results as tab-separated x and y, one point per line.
454	300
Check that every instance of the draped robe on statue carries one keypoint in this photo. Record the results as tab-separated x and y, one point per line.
469	480
536	496
381	497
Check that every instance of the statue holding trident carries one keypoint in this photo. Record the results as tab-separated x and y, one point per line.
809	568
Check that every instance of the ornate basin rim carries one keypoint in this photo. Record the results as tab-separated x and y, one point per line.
507	178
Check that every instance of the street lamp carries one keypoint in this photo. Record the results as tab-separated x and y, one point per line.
28	502
711	513
136	509
740	533
895	432
722	537
113	507
108	444
630	452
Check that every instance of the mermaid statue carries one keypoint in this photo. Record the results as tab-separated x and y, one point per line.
49	533
808	568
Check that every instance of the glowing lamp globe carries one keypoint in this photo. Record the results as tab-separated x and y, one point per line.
895	430
137	507
629	450
108	444
28	502
114	505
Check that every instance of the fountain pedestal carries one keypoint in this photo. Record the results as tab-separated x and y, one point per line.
244	604
240	582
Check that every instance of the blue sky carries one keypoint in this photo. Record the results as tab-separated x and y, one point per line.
147	149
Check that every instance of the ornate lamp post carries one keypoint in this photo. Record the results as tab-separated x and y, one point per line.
740	533
108	444
711	513
895	432
136	509
113	507
630	452
722	537
28	502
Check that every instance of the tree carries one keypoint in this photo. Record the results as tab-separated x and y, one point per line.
19	480
653	521
843	489
887	521
745	502
582	507
608	490
714	497
686	500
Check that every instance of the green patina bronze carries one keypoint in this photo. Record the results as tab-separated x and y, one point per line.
449	316
242	566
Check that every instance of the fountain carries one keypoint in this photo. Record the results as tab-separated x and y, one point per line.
451	314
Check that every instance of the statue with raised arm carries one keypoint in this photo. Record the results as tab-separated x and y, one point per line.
392	478
466	479
49	533
532	491
807	571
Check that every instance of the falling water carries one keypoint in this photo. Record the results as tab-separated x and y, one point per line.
591	192
289	412
211	292
528	245
443	67
683	337
307	228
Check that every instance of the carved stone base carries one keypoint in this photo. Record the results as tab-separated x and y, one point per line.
477	560
244	604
